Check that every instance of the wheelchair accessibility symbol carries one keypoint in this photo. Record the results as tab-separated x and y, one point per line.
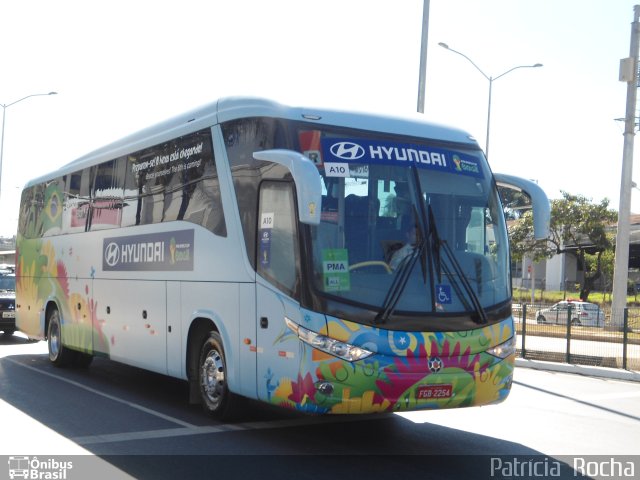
443	293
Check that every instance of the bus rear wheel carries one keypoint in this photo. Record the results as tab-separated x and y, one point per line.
217	399
59	355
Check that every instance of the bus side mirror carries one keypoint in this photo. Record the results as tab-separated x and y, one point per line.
306	177
539	201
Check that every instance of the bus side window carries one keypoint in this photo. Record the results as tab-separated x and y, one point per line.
29	212
132	201
157	190
176	180
277	249
201	202
76	201
107	195
52	207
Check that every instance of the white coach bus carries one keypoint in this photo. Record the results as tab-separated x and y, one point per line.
322	261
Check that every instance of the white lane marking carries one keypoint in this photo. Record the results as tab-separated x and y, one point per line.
106	395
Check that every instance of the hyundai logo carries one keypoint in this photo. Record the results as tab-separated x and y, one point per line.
112	254
347	150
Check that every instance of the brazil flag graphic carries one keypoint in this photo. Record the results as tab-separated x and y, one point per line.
52	213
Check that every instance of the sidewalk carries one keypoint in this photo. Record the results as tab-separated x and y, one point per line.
601	372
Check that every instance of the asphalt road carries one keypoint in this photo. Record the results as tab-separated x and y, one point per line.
116	421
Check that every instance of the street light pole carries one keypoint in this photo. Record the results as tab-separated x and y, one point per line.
490	79
4	111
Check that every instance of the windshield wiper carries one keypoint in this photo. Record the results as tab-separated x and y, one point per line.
406	267
436	245
428	249
423	235
400	280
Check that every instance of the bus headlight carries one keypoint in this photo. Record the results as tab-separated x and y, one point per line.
505	349
339	349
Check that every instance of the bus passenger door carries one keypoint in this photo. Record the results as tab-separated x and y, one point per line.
278	266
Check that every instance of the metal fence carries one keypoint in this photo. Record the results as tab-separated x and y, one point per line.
601	338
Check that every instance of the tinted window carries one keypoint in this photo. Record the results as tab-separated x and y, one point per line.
76	200
51	215
31	207
176	180
243	138
278	238
107	195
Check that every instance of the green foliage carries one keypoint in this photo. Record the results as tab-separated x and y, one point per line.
578	227
578	222
515	202
522	242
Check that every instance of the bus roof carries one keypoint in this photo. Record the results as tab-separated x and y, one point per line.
232	108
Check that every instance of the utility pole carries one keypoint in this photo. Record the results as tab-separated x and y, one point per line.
423	56
629	74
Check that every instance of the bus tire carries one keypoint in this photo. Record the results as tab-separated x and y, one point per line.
59	355
215	396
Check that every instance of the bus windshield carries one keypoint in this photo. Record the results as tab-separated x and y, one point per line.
426	213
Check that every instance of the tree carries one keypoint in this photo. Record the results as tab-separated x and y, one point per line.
515	202
607	259
578	227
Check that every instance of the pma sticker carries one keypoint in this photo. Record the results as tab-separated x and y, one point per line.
335	270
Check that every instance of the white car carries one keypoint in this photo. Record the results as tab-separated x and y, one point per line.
582	313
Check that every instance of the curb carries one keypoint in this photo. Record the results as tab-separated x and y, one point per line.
600	372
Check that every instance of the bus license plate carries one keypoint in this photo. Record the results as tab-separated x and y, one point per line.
434	392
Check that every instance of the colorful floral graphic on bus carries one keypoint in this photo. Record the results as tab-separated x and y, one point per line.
42	277
409	371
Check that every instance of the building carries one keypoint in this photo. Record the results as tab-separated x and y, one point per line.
562	271
7	253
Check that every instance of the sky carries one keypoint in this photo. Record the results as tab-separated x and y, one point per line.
121	66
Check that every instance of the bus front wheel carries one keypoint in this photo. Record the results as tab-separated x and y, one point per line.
216	398
59	355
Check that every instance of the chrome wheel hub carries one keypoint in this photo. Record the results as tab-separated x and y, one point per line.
212	377
54	340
